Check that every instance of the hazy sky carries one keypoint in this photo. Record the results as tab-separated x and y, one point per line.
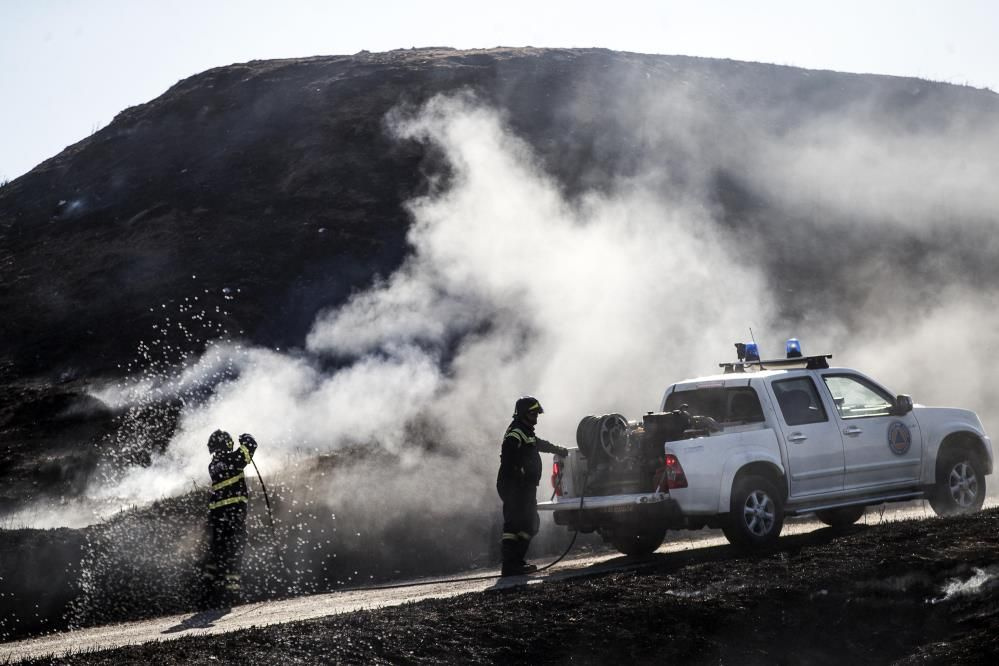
67	67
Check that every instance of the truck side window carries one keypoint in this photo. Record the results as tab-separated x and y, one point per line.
799	401
744	406
856	398
723	404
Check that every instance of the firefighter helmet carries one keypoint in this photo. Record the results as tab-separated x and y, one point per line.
526	405
220	442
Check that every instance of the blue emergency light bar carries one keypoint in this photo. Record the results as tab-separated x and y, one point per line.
806	362
749	358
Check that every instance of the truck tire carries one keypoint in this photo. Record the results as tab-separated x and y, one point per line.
960	487
639	543
843	517
756	514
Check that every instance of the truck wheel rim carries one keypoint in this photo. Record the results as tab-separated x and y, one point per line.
963	484
758	512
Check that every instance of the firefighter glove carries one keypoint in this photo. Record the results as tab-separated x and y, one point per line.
562	451
246	439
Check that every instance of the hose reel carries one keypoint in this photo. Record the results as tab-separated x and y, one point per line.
603	436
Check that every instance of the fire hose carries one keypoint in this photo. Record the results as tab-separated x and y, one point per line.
572	542
575	532
270	516
463	579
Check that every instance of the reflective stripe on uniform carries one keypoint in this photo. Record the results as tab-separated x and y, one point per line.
524	535
228	482
517	433
246	453
509	536
227	502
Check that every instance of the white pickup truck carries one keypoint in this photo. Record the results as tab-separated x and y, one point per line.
764	440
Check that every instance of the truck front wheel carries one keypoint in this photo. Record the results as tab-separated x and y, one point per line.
756	515
639	542
960	486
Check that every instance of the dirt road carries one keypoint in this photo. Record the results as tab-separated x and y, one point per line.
290	610
321	605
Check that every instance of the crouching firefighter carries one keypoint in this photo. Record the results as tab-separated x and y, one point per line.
517	482
226	516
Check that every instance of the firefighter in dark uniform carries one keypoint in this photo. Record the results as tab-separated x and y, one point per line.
517	482
226	516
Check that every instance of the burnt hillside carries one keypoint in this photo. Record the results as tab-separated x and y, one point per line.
279	181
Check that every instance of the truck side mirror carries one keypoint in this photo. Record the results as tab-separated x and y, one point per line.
903	405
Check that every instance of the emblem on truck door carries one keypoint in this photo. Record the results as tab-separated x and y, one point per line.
899	438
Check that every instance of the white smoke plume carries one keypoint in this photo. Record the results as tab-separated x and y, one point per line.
596	302
593	305
923	322
884	206
914	179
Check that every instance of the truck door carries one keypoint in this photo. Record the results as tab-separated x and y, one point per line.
879	448
812	440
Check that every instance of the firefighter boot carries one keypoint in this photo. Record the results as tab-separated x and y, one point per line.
232	592
511	558
522	546
210	592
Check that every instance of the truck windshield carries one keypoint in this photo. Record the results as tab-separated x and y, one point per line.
724	404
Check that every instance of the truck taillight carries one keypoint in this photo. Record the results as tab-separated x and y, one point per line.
675	478
557	478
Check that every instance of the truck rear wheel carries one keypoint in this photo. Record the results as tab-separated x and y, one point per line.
960	486
843	517
639	543
756	516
